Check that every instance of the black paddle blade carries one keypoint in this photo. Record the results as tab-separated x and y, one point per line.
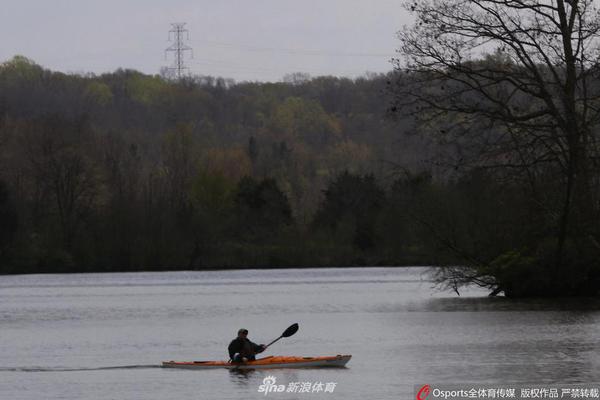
290	331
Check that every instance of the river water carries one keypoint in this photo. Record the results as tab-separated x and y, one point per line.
103	336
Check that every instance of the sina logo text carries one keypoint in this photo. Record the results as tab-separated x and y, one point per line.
269	386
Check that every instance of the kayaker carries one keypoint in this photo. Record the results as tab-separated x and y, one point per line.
241	349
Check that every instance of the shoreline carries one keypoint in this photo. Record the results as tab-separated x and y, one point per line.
235	268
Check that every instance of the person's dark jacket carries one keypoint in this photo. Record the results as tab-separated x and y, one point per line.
244	347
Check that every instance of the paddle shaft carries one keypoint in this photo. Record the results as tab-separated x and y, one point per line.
272	342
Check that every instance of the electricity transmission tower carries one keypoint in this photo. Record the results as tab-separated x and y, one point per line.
176	34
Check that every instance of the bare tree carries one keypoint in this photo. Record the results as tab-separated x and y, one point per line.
515	84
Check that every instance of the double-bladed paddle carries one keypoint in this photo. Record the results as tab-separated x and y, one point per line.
287	333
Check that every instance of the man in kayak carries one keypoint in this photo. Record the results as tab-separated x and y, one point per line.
241	349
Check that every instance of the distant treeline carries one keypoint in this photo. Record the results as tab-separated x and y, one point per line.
126	171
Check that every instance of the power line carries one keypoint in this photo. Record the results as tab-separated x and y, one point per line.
237	67
179	47
306	52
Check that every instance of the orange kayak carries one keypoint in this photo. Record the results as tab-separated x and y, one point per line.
266	362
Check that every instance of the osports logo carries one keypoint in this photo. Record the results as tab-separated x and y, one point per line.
423	392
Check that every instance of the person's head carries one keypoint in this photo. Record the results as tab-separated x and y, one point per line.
243	333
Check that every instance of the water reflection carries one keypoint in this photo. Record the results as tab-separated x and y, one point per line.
242	377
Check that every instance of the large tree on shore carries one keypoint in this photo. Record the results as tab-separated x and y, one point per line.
515	86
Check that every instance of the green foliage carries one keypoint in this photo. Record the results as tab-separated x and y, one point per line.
212	193
146	89
129	171
297	118
20	68
99	92
535	273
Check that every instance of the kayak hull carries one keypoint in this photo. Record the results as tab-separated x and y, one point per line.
264	363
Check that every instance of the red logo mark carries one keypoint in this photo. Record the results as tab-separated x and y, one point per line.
423	392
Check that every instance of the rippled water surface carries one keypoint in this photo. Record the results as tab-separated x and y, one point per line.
103	336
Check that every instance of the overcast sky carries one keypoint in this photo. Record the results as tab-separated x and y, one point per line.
241	39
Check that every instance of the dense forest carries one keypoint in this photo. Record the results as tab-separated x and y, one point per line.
126	171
